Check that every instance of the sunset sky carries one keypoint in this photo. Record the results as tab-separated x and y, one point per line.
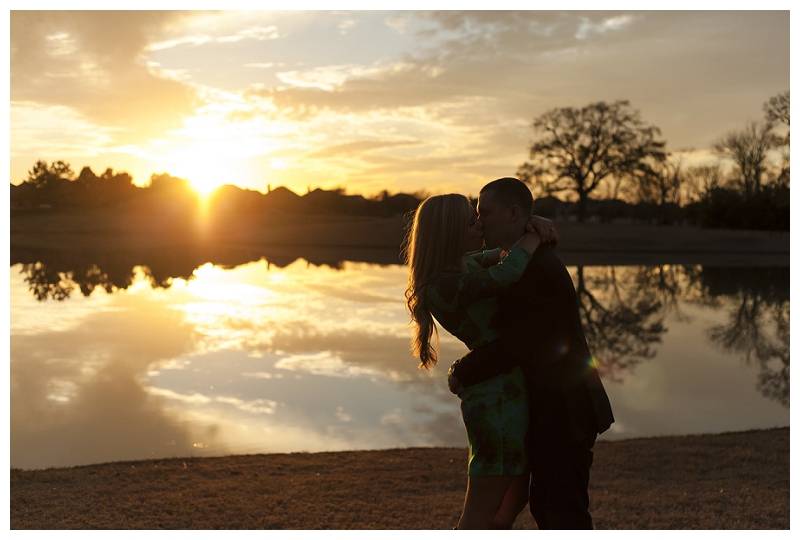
368	100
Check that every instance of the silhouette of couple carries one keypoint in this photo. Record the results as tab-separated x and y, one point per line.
531	398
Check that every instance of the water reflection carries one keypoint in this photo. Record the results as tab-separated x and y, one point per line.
622	324
56	273
758	322
313	355
76	392
623	310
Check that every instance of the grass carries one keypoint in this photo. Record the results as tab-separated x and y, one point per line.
722	481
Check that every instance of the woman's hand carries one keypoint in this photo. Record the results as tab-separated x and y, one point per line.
544	227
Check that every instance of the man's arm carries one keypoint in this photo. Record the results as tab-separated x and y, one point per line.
527	325
530	339
481	364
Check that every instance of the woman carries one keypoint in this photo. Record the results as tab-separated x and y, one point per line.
451	281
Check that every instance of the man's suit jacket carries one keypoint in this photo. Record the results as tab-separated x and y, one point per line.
540	330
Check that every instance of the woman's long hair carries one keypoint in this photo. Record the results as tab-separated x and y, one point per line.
435	240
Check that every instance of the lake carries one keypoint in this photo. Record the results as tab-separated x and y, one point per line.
133	359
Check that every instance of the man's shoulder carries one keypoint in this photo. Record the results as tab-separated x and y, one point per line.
547	274
545	259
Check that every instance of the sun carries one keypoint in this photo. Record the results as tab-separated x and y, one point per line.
210	151
204	178
205	167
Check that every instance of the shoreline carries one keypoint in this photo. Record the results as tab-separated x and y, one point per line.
374	240
724	480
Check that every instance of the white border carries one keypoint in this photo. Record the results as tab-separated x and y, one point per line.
295	5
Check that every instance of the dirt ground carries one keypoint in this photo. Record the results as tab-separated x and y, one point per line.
726	481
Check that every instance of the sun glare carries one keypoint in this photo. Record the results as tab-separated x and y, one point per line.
203	168
204	180
210	151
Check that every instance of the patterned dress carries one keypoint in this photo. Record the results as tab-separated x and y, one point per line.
495	411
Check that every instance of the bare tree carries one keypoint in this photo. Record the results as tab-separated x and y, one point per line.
581	148
662	185
776	111
748	149
700	179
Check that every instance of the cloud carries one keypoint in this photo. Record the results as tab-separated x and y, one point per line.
263	65
398	23
466	55
358	147
55	130
345	26
588	27
326	77
523	63
342	415
257	33
92	62
399	84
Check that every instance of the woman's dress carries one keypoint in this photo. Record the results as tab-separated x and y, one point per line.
495	411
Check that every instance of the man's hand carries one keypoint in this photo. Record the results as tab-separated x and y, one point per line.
544	227
452	381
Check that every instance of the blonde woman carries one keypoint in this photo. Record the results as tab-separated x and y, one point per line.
453	282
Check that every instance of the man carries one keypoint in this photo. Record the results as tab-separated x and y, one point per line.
540	329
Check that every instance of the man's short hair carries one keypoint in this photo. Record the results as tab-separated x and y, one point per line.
510	191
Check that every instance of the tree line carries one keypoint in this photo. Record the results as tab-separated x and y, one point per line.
55	186
608	148
600	161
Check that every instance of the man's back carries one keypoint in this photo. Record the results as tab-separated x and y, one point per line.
539	322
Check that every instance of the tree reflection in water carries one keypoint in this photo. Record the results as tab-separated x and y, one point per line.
758	321
622	324
55	274
623	311
46	282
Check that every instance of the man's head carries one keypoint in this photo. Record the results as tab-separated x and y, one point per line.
504	206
